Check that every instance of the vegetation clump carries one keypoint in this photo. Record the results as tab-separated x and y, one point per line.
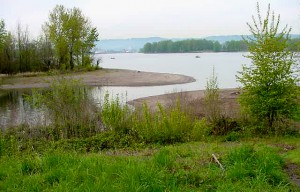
69	107
66	43
269	85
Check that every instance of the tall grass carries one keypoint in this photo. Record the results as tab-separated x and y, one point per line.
160	126
70	108
163	126
212	99
221	124
115	115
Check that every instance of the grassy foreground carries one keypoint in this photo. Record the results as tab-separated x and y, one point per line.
249	165
114	148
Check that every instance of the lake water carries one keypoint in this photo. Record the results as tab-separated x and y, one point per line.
226	66
14	110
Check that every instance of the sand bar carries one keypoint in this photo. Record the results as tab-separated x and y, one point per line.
104	77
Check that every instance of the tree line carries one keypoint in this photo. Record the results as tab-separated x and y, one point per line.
66	42
203	45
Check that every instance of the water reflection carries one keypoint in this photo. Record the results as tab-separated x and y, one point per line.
15	110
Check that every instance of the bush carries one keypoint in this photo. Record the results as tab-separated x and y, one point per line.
270	91
201	130
212	100
232	136
115	115
70	108
163	126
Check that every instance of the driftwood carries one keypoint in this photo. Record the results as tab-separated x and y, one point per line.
218	162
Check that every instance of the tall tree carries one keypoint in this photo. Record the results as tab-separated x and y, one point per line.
9	55
2	42
269	84
46	51
2	33
72	35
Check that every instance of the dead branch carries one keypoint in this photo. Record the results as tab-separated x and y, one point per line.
217	161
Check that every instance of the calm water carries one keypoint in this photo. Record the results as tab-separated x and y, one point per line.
226	66
14	110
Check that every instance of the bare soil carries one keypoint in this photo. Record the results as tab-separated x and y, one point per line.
293	170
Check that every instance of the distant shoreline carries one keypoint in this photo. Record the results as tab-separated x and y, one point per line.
171	52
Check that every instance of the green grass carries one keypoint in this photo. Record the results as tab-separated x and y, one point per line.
250	165
117	149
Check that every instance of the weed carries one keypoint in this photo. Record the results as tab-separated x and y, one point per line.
232	136
163	126
247	163
211	99
201	130
71	109
115	116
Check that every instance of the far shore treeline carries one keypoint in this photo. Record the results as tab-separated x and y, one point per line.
203	45
66	42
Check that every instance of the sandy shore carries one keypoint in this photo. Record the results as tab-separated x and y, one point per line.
192	101
104	77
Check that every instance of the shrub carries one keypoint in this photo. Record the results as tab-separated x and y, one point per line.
201	129
70	108
212	100
163	126
115	115
270	84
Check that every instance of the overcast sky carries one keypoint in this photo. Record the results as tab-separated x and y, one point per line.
149	18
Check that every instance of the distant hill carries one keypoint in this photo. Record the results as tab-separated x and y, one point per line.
224	38
135	44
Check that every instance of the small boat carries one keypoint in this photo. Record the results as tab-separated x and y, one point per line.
112	58
197	56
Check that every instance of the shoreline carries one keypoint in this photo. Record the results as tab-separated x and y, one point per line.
192	101
103	77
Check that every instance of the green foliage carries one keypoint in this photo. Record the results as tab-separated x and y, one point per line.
261	165
70	107
163	126
201	130
212	100
145	126
232	136
294	44
269	84
165	159
192	45
235	46
2	33
115	115
20	53
220	124
66	42
72	35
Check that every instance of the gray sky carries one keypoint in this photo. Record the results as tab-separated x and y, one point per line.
148	18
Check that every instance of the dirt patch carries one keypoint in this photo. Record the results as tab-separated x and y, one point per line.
104	77
285	147
293	170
